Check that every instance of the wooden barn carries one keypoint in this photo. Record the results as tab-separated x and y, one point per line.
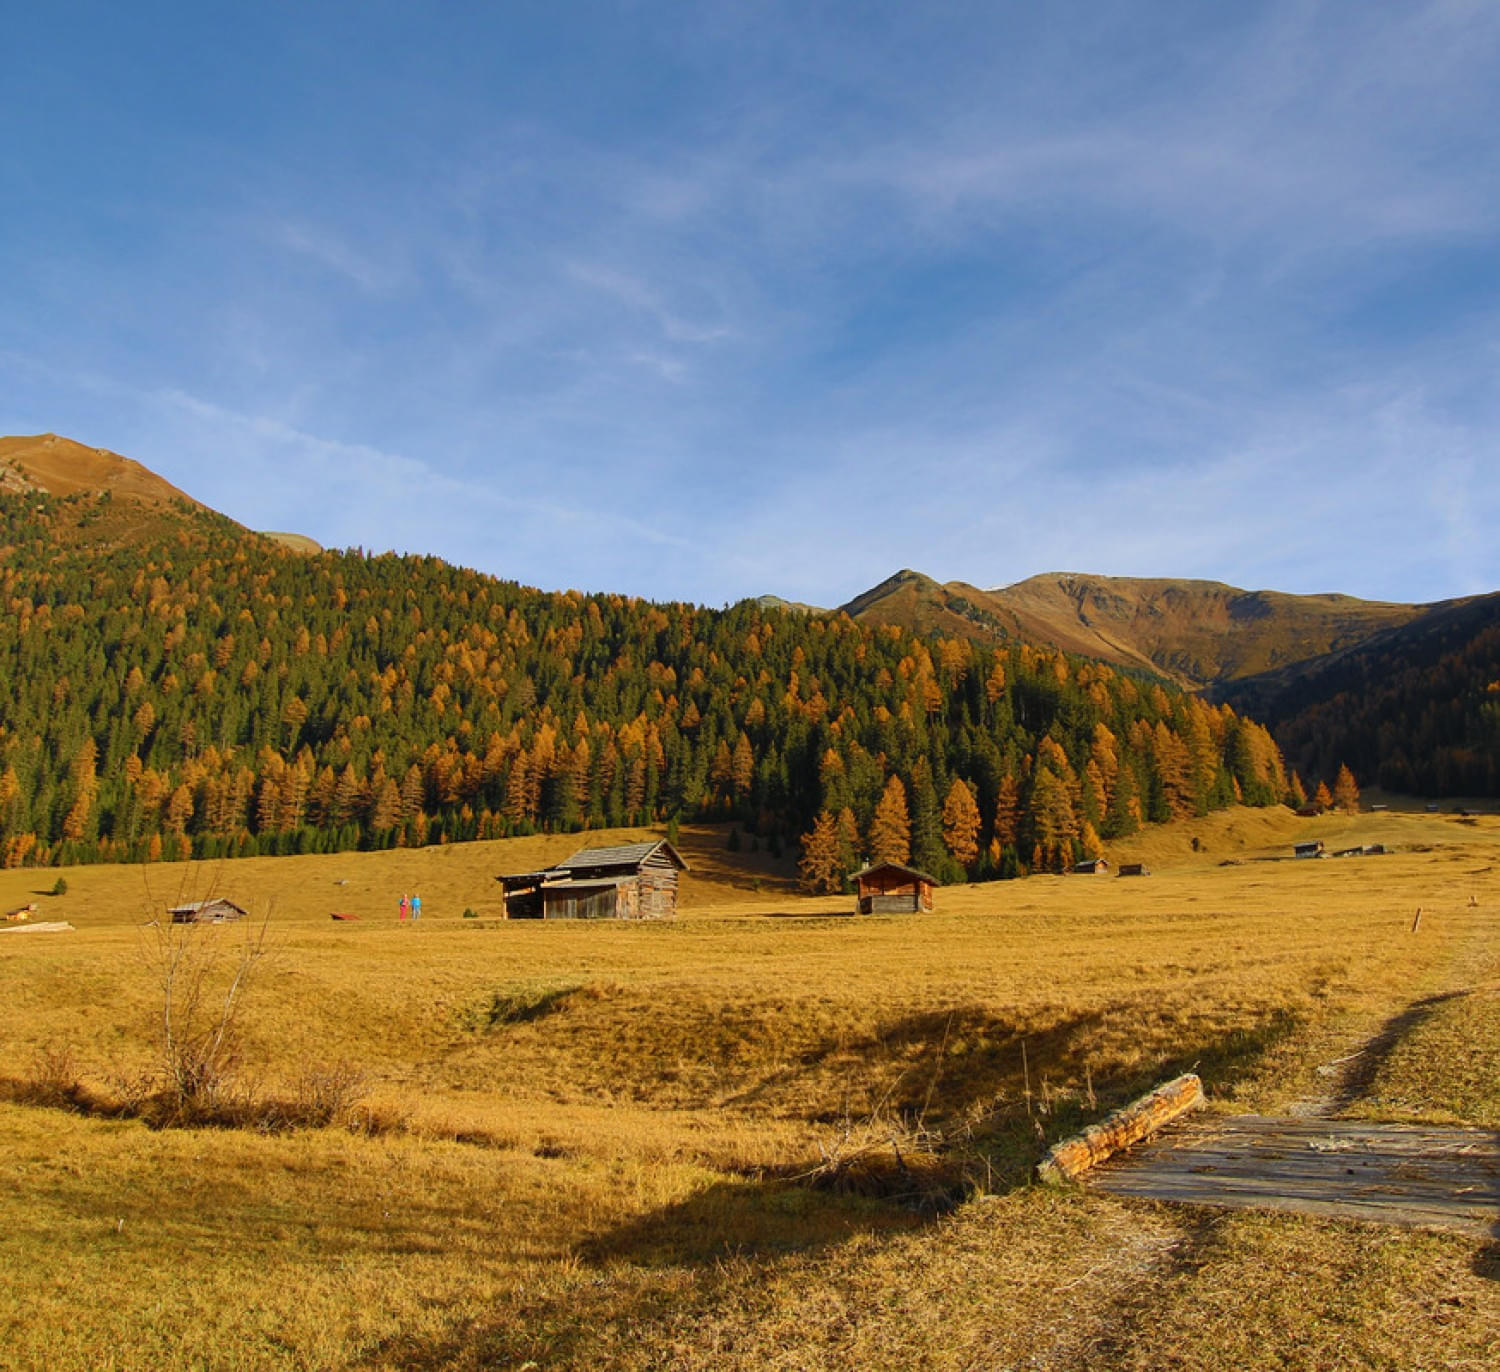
633	881
888	888
1091	867
214	911
1133	869
1312	849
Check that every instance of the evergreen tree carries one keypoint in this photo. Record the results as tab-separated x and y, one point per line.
927	851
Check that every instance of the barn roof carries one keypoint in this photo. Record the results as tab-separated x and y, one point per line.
194	907
625	855
894	867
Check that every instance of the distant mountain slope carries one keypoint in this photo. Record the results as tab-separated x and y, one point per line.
298	543
61	467
97	500
1192	632
105	500
1415	708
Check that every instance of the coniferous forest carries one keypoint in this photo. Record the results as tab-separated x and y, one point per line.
1416	710
204	692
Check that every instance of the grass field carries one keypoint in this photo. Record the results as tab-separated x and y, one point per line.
762	1135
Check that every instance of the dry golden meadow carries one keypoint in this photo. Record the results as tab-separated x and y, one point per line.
760	1136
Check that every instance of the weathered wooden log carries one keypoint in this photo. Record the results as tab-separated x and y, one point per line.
1130	1124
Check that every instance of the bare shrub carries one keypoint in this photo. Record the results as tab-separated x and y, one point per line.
51	1081
329	1094
203	973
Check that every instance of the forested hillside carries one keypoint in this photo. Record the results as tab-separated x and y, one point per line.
1416	709
209	693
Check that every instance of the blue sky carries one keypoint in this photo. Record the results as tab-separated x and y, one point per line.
707	300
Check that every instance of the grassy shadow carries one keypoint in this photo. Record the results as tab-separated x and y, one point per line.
516	1005
1360	1075
949	1126
765	1217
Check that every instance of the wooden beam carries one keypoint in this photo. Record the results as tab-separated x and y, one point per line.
1072	1157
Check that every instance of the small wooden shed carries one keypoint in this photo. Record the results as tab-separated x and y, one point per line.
1311	849
631	881
1133	869
214	911
1091	867
888	888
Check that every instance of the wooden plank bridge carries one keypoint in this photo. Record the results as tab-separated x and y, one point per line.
1403	1174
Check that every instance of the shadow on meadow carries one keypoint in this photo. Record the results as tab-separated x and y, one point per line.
1360	1076
954	1109
969	1067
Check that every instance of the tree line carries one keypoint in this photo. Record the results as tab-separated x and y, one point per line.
206	693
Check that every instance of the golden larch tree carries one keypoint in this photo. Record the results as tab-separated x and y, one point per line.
1346	791
819	865
961	823
890	829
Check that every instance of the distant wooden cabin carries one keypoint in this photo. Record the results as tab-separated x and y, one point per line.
1133	869
215	911
887	888
1091	867
632	881
1311	849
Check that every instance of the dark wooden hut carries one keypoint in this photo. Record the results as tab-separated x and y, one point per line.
523	892
214	911
1133	869
632	881
1091	867
1311	849
888	888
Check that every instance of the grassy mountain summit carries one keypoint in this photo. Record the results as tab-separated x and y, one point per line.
1192	632
93	498
103	500
61	467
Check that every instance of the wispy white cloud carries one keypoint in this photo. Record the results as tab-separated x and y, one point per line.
330	250
633	292
1198	290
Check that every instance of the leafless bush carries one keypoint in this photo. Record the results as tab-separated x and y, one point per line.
52	1080
328	1094
203	973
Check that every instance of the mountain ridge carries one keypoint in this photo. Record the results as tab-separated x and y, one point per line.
1195	633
